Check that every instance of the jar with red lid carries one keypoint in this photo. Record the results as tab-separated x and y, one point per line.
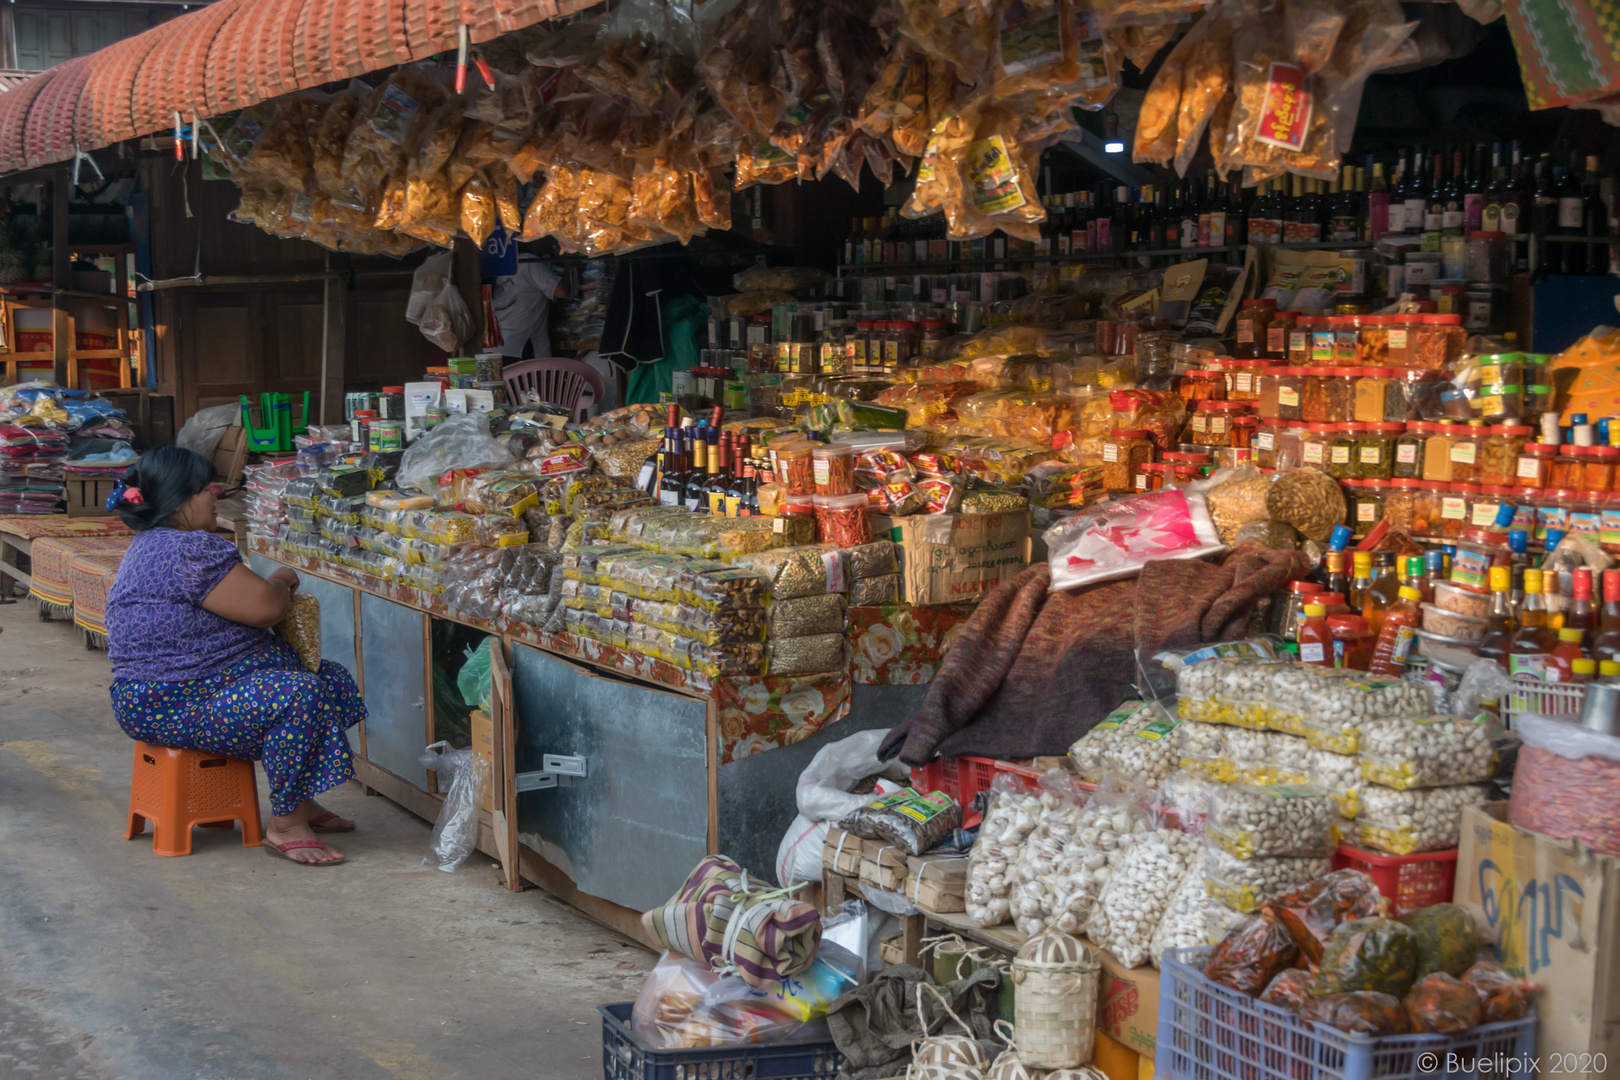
1534	466
1299	341
1454	503
1553	506
1400	504
1313	395
1141	480
1282	324
1440	340
1314	447
1212	423
1253	319
1182	474
1524	501
1600	468
1375	450
1195	386
1341	463
1466	443
1265	443
1426	512
1402	339
1567	467
1370	505
1372	341
1352	636
1281	391
899	344
933	340
1244	429
1123	452
1291	444
1151	474
1482	508
1242	378
1409	452
1346	332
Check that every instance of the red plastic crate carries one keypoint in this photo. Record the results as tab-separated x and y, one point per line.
1409	882
959	777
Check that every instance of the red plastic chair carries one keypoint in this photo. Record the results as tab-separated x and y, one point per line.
559	381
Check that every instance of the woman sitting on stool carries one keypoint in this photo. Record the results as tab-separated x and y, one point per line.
196	667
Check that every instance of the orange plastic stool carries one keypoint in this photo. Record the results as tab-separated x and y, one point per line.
176	789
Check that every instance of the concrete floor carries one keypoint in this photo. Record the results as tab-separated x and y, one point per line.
116	964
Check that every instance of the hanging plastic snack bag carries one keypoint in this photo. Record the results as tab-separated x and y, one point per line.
478	217
329	139
1029	53
1279	120
1442	1004
283	152
1360	1012
1252	954
1204	82
237	141
1374	34
1115	540
1504	996
1091	58
1368	954
389	120
1156	123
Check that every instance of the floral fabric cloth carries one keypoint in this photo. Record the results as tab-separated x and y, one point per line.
901	644
760	714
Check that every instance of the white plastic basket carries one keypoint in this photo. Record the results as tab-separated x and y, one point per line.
1531	695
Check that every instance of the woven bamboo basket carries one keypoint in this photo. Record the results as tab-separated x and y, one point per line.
1056	1009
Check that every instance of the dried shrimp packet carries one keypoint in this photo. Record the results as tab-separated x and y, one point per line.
805	615
1431	752
1011	816
1138	893
1272	819
1368	954
1422	819
1136	742
1244	884
1251	954
1184	923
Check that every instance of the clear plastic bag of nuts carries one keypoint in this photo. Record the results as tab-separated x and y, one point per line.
1340	776
1224	691
1242	884
1422	819
1339	709
1258	820
1139	892
1135	742
1430	752
1011	816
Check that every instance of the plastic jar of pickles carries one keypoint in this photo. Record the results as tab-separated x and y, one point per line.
1440	340
1534	465
1299	341
1601	467
1499	453
1372	341
1465	453
1482	508
1375	450
1409	451
1243	378
1370	504
1315	443
1220	421
1198	386
1454	503
1253	319
1437	452
1342	463
1400	503
1280	394
1277	331
1426	509
1401	338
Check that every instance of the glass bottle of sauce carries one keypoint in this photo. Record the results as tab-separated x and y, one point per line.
1253	320
1315	639
1534	640
1382	593
1606	646
1357	597
1561	661
1396	635
1494	645
1582	613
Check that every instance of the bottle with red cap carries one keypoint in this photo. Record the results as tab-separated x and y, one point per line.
1583	612
1315	639
1606	644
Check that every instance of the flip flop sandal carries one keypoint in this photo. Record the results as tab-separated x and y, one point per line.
322	824
276	850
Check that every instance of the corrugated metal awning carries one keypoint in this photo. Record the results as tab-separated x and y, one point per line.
230	55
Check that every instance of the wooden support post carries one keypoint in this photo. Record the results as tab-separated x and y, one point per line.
503	782
334	340
62	277
469	284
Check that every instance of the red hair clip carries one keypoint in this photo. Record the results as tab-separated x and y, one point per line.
133	496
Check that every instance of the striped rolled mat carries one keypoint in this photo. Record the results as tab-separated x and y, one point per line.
52	558
92	578
723	918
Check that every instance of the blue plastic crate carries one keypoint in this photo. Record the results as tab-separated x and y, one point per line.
1210	1032
625	1058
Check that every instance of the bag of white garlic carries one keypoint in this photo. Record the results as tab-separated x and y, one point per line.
1184	924
1218	918
1010	818
1067	860
1138	892
1136	741
1187	796
1432	752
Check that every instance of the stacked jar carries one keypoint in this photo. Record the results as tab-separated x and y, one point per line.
1280	394
1375	450
1499	453
1214	423
1251	325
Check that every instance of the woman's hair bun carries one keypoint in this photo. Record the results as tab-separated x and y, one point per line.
165	479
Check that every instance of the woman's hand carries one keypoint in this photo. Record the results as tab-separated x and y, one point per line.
287	576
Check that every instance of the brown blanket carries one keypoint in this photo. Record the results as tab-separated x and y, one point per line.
1032	671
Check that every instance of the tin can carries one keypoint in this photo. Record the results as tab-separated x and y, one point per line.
387	435
434	417
355	400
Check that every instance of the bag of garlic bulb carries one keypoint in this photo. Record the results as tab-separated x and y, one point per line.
1138	893
1067	859
1185	923
1034	896
1136	741
1010	818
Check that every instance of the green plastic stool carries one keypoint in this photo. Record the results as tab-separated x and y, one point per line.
275	434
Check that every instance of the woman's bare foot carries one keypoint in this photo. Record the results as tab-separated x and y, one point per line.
323	820
294	828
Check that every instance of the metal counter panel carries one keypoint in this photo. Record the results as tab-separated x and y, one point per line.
337	619
633	828
757	793
396	685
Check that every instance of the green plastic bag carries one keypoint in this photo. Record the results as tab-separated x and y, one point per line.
1447	939
1368	954
473	682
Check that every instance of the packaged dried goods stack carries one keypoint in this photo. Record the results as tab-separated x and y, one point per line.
266	489
1419	775
1260	841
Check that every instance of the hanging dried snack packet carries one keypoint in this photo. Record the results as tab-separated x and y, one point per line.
1140	44
713	207
329	139
389	119
1093	64
504	185
1156	123
437	140
1029	55
1145	13
1279	119
478	215
764	164
995	182
283	152
1204	82
237	141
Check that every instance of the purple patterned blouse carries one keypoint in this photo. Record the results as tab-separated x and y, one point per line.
157	628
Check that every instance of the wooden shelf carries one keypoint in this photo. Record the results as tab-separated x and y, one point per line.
102	249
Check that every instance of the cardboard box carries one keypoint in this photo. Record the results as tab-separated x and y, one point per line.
86	494
230	454
1550	909
937	883
883	865
1128	1003
946	558
842	853
483	744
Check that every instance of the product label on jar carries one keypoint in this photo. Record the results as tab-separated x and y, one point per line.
1609	527
1484	514
1454	508
1339	455
1287	395
1299	340
1406	454
1285	112
1550	517
1464	452
1322	345
1371	455
1529	468
1585	522
1245	333
1200	423
1534	666
1266	440
1276	339
1243	382
1345	344
1490	373
1110	453
1313	453
1397	339
1141	481
1311	652
1488	406
821	469
1217	425
1366	511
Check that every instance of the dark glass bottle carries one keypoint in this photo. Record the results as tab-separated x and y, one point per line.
1594	221
696	473
1569	221
1434	211
1415	195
